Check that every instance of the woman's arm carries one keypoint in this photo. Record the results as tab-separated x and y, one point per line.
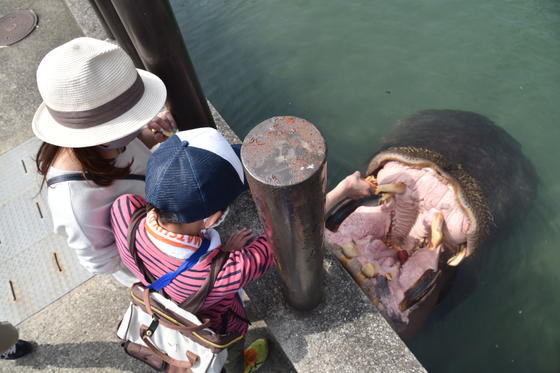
352	186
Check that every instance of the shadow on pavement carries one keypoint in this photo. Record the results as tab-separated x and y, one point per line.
81	355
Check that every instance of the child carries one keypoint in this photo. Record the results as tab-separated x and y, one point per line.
190	180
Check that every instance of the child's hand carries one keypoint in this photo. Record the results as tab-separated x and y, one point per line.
356	187
238	240
162	126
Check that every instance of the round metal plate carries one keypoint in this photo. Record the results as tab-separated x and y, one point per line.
283	151
16	26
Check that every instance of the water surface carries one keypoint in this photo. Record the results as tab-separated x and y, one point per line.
355	67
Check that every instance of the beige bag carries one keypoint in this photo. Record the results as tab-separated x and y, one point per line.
168	338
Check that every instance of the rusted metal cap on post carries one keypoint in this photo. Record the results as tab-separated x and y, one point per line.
283	151
285	164
16	26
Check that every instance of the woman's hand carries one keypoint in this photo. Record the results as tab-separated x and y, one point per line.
238	240
159	129
355	187
163	126
352	186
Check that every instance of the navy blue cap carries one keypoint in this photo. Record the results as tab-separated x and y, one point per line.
194	174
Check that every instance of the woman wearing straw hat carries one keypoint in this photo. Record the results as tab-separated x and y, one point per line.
98	118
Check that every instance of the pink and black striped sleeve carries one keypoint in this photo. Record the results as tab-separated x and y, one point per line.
243	266
121	211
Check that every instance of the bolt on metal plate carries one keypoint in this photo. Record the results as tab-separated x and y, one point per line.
16	26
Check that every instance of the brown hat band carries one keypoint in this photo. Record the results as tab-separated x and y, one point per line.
104	113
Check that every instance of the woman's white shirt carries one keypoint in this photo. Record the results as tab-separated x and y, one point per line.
80	211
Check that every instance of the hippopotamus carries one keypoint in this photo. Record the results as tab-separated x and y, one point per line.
448	181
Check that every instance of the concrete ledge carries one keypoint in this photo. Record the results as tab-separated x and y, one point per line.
87	19
344	334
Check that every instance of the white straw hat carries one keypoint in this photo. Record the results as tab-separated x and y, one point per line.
92	94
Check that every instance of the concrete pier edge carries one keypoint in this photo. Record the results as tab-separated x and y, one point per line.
344	334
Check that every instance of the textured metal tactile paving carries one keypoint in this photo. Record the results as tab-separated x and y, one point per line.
36	266
21	224
17	168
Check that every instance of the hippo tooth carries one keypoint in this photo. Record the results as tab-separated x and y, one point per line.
437	230
388	276
349	250
456	259
385	197
398	188
360	278
369	270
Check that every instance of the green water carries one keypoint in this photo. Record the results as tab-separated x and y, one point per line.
354	67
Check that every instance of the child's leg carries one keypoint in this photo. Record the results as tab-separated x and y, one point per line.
234	361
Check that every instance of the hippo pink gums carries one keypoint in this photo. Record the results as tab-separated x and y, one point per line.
448	180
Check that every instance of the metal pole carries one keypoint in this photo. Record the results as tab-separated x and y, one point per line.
109	17
155	34
285	164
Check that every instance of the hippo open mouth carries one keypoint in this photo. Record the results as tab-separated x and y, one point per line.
396	250
448	181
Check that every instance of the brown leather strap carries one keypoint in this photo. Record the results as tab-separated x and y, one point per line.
185	329
192	357
196	300
147	302
104	113
145	355
135	220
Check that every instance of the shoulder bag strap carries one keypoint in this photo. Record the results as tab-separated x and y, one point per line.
196	300
78	176
135	220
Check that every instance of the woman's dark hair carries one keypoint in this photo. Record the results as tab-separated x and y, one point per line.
101	171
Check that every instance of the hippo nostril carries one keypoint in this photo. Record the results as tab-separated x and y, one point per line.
420	290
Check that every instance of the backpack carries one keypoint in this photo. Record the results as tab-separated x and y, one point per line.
168	336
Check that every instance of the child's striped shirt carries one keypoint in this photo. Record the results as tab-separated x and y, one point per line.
223	306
